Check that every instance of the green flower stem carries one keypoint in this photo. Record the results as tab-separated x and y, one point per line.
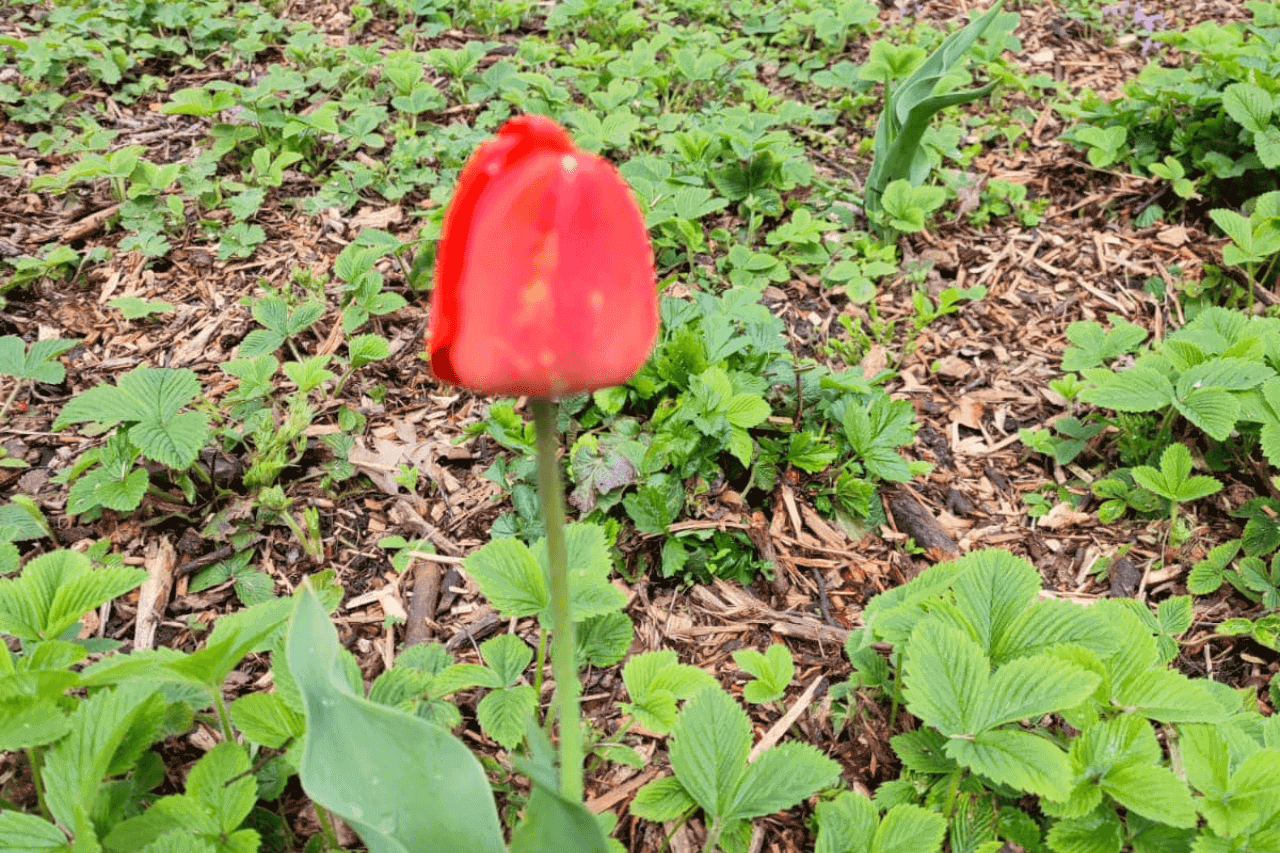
551	496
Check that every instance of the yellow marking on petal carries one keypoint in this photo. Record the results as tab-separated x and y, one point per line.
568	162
547	257
536	293
547	357
597	300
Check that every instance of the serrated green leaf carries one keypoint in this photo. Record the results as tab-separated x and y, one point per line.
747	410
780	778
76	767
946	678
924	751
1174	614
1233	374
504	714
510	577
661	800
773	671
992	590
1138	389
56	589
1235	226
1098	832
143	394
709	746
656	682
909	829
1153	792
1249	105
36	363
1169	697
24	833
1267	146
508	656
1094	347
266	719
220	781
847	824
603	640
1020	759
1030	687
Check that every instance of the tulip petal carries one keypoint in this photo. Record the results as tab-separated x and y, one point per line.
544	279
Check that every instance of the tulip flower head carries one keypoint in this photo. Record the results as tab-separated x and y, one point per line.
544	281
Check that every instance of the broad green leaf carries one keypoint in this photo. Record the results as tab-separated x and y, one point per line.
421	788
848	823
1098	832
773	671
656	682
780	778
100	742
508	656
909	829
912	106
603	640
993	589
1153	792
266	719
1138	389
1248	104
709	746
945	678
1020	759
24	833
662	800
222	784
55	590
554	823
504	713
1169	697
510	577
1030	687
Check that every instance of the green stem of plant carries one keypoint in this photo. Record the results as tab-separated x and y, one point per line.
35	756
223	719
597	760
326	826
713	836
9	400
551	496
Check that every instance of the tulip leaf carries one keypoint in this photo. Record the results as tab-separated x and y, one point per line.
419	787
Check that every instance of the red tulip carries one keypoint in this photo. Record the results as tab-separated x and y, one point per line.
544	281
